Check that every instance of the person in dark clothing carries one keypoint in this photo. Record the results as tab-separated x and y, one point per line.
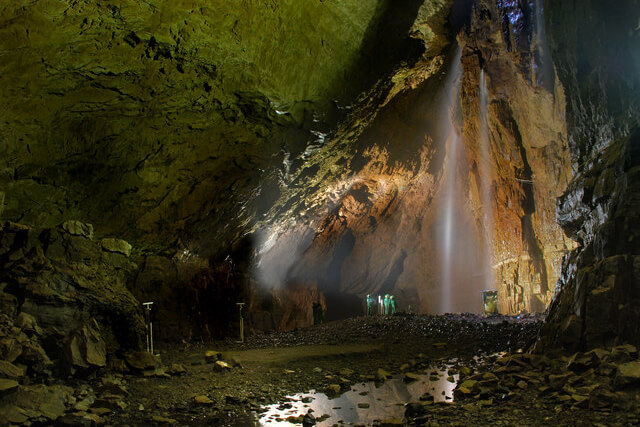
318	313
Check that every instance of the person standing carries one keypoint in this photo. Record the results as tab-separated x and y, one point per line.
318	313
370	304
392	304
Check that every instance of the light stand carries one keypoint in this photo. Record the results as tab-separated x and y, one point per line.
240	305
149	326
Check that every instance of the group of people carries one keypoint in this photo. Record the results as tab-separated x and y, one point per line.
383	306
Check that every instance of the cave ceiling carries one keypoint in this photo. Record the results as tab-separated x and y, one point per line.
168	122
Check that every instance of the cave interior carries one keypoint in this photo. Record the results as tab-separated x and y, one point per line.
423	212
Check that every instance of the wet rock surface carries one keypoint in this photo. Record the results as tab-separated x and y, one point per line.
491	378
493	386
596	303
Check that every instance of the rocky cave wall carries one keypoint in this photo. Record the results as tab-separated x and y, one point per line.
372	225
597	53
156	120
205	135
163	123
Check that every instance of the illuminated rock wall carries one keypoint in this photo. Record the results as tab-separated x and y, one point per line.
379	228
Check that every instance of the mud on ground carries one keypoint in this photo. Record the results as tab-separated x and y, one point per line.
267	368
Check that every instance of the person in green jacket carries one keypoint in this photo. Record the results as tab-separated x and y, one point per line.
386	304
370	305
392	304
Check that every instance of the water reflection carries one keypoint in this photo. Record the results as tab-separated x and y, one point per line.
364	403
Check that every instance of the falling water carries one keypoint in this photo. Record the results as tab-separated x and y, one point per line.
543	72
485	183
452	146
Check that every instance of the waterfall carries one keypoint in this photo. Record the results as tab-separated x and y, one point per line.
450	188
543	73
486	195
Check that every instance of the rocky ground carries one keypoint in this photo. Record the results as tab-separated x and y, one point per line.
227	383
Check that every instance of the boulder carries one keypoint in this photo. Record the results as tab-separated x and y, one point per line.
27	323
7	385
140	360
580	362
34	356
333	389
78	228
212	355
9	370
70	293
39	401
10	349
86	348
8	304
203	400
624	353
116	245
176	369
110	401
80	419
221	366
410	377
628	374
382	375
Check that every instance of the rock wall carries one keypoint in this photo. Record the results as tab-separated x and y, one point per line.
530	160
597	55
197	300
65	304
156	120
365	217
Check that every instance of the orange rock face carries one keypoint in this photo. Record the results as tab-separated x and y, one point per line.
432	227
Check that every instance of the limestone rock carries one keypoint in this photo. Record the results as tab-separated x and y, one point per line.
80	419
116	245
176	369
8	304
27	323
220	365
10	349
86	348
628	373
211	356
48	402
346	372
141	360
9	370
34	356
203	400
6	385
624	353
78	228
382	375
62	281
333	389
410	377
163	420
583	361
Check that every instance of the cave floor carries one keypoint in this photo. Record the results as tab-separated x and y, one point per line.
277	365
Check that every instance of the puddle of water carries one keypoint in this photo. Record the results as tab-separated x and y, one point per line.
385	401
